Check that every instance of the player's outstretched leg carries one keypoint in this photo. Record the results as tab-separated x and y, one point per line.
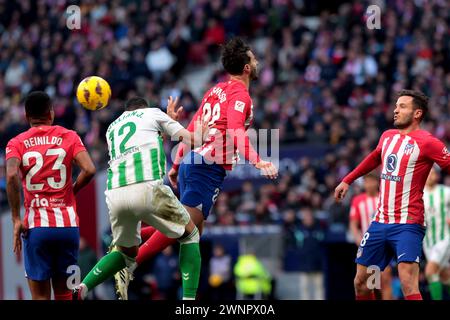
190	261
147	232
117	259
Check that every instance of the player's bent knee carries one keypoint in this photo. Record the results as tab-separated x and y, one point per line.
129	254
360	283
193	237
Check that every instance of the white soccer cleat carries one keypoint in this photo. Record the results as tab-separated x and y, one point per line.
122	280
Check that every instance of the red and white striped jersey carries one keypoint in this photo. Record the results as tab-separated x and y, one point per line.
363	209
229	108
46	154
406	161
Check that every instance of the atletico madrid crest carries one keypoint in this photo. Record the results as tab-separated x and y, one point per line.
409	149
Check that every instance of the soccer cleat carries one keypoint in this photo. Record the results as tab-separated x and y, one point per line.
77	293
122	280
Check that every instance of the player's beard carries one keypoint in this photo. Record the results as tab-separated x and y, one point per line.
404	124
254	74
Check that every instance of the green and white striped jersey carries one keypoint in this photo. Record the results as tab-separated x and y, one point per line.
437	211
135	146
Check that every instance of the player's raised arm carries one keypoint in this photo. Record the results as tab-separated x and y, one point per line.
13	193
371	162
238	110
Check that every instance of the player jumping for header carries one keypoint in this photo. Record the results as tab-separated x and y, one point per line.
229	108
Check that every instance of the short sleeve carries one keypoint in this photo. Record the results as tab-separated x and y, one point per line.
167	124
438	152
78	145
13	150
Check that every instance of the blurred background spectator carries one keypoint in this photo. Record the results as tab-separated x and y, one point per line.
327	82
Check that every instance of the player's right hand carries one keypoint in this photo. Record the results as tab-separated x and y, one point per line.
340	191
173	177
268	169
18	230
171	105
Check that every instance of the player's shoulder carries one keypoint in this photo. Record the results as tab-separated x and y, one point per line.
59	130
20	137
236	88
389	133
424	137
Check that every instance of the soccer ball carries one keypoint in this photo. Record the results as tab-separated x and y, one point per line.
93	93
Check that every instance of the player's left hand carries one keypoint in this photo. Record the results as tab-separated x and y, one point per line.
268	169
340	191
173	177
19	228
171	106
201	131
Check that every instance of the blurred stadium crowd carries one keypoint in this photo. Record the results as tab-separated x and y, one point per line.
327	80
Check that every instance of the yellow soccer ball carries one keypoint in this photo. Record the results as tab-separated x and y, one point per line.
93	93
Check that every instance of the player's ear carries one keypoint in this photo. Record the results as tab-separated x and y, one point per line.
247	68
52	115
418	113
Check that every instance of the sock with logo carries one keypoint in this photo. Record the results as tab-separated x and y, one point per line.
190	264
435	286
105	268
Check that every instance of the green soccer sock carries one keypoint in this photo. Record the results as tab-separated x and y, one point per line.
104	269
190	264
435	290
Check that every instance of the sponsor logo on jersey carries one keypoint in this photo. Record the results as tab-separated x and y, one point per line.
391	163
390	178
409	149
39	202
239	106
8	150
445	153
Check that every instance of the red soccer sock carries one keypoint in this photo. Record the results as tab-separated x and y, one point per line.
147	232
416	296
157	243
370	296
64	296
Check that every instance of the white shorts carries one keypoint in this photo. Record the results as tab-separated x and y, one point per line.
439	253
149	201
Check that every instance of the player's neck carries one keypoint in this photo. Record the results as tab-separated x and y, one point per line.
40	123
430	187
244	79
372	194
411	128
